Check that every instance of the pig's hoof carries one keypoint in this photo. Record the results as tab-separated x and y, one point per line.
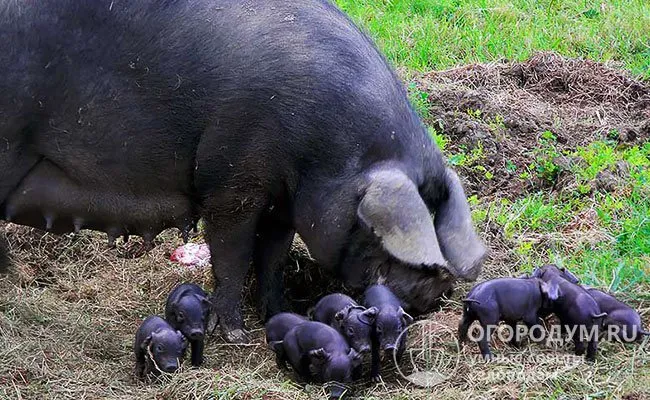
236	336
376	379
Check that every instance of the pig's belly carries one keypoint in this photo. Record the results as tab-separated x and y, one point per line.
48	199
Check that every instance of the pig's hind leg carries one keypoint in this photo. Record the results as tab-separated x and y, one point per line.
272	244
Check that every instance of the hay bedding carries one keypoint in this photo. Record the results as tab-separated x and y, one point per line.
70	308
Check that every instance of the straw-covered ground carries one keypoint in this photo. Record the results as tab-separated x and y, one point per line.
555	155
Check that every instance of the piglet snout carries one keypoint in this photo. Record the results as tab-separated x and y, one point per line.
196	334
336	391
169	368
364	349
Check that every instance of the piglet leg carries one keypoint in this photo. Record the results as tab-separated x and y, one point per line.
197	352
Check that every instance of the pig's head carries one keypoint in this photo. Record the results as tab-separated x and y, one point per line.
546	272
397	241
355	323
334	368
166	347
189	314
391	322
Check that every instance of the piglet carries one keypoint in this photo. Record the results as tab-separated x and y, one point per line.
390	322
158	347
552	269
505	299
187	310
319	353
626	320
276	328
353	321
578	312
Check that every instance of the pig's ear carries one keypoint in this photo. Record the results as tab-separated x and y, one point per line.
570	276
342	314
459	242
355	357
205	302
550	289
369	316
146	342
393	209
276	346
318	356
407	317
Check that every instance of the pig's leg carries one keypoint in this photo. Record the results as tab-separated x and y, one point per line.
197	352
592	347
484	343
15	163
577	340
4	255
272	246
139	364
489	321
375	360
231	239
463	327
513	327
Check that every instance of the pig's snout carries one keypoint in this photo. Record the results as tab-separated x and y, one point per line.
336	392
170	367
364	349
196	334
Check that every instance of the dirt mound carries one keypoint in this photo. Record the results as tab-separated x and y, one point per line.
496	114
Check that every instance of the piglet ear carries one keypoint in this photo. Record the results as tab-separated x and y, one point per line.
204	300
354	357
318	356
340	315
551	289
407	317
276	346
146	342
369	316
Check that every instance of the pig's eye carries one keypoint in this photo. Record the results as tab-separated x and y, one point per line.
379	328
180	317
350	331
159	348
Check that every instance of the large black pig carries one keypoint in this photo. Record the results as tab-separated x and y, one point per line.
264	118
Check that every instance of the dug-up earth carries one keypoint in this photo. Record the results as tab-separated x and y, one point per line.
70	307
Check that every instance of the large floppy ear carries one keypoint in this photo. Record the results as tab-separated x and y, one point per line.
459	242
394	210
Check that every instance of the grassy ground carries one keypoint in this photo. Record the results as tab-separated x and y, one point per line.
438	34
571	186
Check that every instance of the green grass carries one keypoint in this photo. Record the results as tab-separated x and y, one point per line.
438	34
